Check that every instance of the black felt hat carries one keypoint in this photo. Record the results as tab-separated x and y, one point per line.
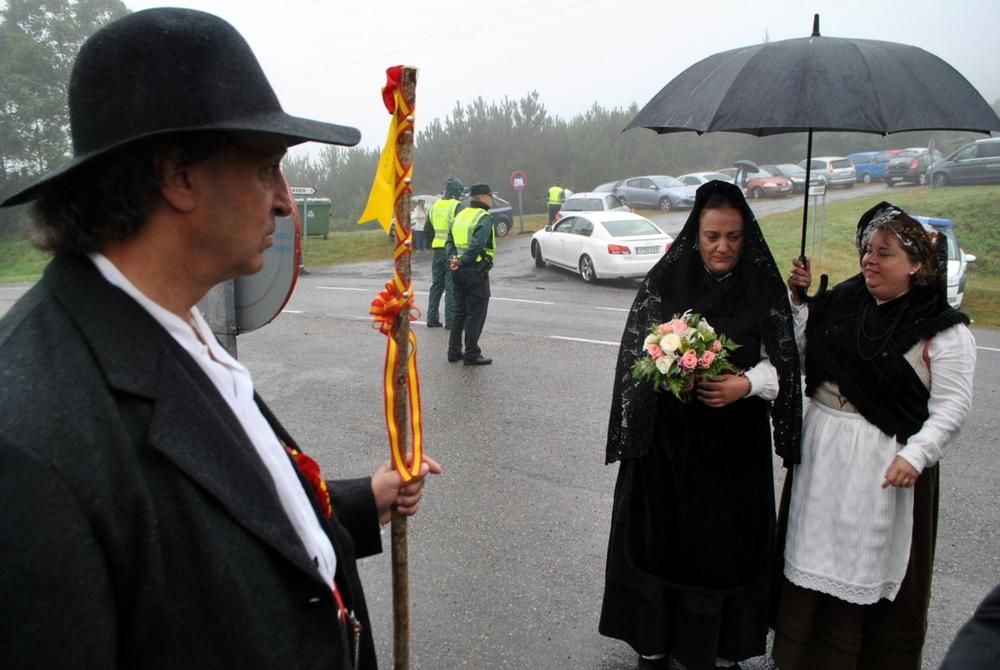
480	189
165	71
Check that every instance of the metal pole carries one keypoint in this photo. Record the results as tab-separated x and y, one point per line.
520	209
400	546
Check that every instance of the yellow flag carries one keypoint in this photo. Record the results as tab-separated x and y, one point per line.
382	199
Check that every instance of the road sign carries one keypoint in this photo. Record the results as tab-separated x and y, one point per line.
303	190
518	180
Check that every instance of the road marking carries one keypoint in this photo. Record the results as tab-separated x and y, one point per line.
614	309
343	288
987	348
292	311
584	340
533	302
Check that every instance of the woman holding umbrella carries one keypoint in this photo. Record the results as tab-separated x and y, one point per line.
889	369
693	517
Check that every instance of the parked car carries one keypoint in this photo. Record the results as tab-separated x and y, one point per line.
764	184
659	191
591	202
758	182
975	163
696	179
794	173
870	165
833	170
911	165
606	187
601	244
958	260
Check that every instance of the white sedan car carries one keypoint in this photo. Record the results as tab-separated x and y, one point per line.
600	245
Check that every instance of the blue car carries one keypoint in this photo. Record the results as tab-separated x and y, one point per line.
869	165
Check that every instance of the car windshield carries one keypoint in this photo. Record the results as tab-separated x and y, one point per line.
667	181
630	227
583	205
761	173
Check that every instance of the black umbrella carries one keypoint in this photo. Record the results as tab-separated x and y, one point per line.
818	83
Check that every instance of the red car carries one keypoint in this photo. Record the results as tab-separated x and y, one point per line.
762	184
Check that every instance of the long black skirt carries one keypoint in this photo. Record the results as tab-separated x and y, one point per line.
691	534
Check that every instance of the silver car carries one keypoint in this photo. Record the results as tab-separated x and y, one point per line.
656	192
958	260
834	170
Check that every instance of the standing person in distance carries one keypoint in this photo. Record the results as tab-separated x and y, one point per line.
692	526
470	248
889	373
439	221
153	511
556	198
418	219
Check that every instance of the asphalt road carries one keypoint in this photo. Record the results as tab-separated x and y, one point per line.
507	553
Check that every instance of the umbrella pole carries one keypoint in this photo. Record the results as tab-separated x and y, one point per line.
823	279
805	207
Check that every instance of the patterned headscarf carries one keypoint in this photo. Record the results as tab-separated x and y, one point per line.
926	248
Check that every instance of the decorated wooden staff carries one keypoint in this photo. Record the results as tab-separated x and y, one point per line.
389	203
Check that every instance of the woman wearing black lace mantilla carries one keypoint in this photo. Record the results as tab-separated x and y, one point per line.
693	519
889	368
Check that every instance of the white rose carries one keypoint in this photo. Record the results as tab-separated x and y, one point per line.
670	342
651	339
706	330
664	362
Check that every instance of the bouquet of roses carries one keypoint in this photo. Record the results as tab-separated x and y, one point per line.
682	350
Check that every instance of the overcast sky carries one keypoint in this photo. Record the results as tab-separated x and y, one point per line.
327	58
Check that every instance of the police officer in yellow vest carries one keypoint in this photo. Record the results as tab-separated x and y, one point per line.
439	220
557	196
470	249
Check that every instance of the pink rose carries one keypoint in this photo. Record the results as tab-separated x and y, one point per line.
679	326
663	328
654	350
689	361
706	359
716	346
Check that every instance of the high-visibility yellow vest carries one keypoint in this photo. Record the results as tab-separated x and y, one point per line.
461	231
556	196
442	215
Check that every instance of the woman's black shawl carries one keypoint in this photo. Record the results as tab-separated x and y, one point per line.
668	289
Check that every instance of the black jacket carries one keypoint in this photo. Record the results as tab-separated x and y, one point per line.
138	527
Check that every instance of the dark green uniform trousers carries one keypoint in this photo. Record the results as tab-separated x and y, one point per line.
472	298
441	282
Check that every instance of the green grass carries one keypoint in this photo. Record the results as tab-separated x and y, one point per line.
19	261
974	209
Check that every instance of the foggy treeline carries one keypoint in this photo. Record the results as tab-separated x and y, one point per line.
485	141
479	141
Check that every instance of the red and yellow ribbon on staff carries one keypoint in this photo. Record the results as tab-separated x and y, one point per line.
387	205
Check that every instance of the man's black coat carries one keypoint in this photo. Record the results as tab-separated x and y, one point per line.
138	526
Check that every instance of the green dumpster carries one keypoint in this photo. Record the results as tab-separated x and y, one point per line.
314	215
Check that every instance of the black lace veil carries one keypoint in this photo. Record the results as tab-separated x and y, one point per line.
668	289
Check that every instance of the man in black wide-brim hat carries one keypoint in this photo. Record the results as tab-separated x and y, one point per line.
153	512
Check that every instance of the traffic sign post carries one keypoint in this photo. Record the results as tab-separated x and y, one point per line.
519	182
